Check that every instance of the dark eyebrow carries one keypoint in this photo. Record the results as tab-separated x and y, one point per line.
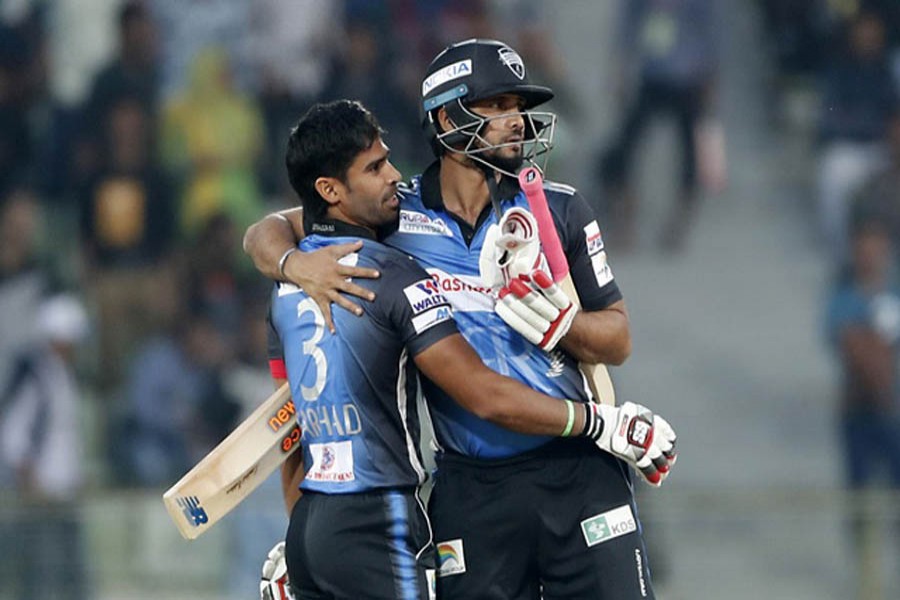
378	160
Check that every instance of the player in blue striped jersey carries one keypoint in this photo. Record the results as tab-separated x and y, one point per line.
354	390
516	515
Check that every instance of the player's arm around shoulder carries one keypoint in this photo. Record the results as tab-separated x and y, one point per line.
271	243
600	332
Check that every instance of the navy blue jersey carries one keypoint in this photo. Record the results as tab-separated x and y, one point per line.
355	390
449	251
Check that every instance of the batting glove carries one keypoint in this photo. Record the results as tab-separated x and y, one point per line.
537	308
511	248
274	583
634	434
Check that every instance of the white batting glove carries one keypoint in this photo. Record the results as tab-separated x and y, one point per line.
511	248
273	584
537	308
634	434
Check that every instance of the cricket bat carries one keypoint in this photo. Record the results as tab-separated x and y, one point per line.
236	467
532	184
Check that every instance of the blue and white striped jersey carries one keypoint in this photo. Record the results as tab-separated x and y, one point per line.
355	390
449	251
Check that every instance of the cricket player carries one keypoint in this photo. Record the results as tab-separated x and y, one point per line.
358	530
515	515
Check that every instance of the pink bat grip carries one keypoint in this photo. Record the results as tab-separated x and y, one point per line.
532	184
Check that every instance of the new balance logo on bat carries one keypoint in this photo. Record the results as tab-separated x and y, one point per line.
192	510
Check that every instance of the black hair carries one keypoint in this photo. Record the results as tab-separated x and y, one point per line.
324	143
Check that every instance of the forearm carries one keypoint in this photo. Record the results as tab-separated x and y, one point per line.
517	407
602	336
267	240
458	370
291	476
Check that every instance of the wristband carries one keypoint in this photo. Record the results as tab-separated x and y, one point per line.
593	423
283	261
571	420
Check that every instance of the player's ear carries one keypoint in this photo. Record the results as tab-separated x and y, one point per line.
443	120
329	189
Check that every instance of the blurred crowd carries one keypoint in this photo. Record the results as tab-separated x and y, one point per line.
138	139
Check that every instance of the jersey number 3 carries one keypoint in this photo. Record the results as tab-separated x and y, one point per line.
311	348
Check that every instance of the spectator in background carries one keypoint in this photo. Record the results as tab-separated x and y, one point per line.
178	408
359	72
22	280
20	76
669	56
863	327
188	27
40	442
212	141
879	198
132	73
215	275
127	229
292	44
858	96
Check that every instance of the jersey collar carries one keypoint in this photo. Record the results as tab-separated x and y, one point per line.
327	227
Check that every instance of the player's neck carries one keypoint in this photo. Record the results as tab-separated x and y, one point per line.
463	188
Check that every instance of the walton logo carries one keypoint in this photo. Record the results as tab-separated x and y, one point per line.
192	510
428	286
424	295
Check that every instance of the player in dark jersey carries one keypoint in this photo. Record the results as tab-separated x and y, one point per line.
358	530
516	516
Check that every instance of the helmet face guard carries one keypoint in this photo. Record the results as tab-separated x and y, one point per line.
468	139
475	70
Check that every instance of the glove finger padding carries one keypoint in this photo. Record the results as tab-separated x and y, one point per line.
511	248
633	433
537	308
273	584
488	260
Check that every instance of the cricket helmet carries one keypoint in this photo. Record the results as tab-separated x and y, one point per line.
474	70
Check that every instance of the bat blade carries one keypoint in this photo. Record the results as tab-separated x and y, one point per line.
531	182
236	467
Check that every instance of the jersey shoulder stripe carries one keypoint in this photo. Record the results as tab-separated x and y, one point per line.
561	188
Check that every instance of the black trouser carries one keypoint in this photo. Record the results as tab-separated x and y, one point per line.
369	545
559	522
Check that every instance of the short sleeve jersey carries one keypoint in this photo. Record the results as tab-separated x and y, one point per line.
449	251
355	390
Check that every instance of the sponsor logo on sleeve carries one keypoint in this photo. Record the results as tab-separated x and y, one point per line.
451	558
595	248
609	525
332	462
429	305
456	70
416	222
593	238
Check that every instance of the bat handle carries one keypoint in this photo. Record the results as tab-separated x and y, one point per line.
532	184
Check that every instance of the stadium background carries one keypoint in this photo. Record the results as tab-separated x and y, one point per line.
728	335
